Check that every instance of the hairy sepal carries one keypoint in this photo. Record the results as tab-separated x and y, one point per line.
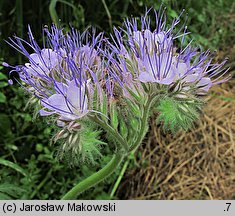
176	115
113	114
79	146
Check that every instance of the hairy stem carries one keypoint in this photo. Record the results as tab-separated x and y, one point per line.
105	171
117	158
95	178
144	124
42	183
118	181
121	143
142	133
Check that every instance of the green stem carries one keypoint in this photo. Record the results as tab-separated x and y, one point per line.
115	187
42	183
105	171
117	158
95	178
121	143
142	133
144	124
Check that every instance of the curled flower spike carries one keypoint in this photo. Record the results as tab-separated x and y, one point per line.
151	56
63	74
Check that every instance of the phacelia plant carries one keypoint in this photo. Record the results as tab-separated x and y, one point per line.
89	84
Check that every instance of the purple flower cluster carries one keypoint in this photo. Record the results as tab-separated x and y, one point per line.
65	73
150	55
71	69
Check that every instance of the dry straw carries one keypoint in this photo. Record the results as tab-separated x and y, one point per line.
198	164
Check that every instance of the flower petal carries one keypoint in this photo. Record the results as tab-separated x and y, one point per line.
204	84
146	77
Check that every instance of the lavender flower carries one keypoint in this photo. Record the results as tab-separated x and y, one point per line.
64	74
154	62
151	56
70	101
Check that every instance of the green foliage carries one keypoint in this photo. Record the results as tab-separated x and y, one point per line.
10	191
13	166
2	98
177	115
3	83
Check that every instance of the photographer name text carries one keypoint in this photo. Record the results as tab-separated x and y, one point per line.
69	207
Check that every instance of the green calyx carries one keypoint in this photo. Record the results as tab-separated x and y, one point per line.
178	114
79	146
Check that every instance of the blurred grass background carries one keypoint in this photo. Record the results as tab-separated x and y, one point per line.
195	165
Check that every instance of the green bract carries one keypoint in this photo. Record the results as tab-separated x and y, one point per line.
80	145
176	114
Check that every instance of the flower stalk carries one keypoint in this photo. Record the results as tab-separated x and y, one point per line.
117	158
121	143
144	123
95	178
